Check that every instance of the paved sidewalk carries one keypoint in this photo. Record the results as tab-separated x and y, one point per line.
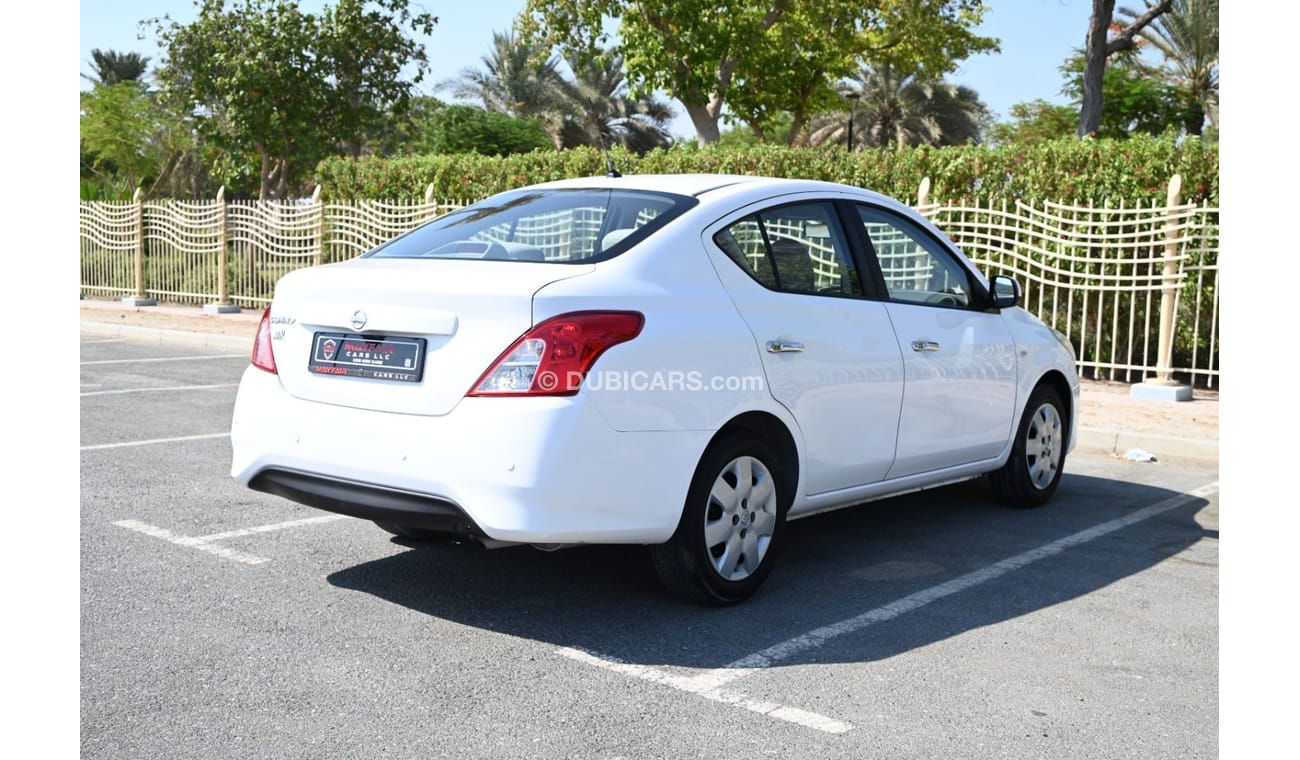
1111	422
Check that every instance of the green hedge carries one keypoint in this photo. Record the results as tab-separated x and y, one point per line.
1133	170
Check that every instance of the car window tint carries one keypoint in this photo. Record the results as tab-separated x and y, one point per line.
916	268
743	244
808	250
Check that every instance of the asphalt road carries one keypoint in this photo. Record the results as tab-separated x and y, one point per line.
218	622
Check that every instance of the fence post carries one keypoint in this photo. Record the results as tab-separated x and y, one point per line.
1165	359
1163	385
431	210
320	225
923	193
223	304
139	298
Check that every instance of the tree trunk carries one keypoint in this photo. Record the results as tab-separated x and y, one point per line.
264	188
705	121
1099	48
1094	70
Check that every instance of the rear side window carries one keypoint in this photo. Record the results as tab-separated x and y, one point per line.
555	226
798	248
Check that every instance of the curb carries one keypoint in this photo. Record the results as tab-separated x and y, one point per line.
1166	448
159	336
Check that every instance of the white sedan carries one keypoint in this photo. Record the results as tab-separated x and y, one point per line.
685	362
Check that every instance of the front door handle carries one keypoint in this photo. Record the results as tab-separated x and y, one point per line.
924	345
783	346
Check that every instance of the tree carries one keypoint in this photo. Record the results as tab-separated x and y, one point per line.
1137	99
470	129
365	48
516	79
117	123
1098	48
1036	121
907	110
112	67
760	56
599	111
1188	37
267	82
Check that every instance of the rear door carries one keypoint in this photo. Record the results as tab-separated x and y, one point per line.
829	353
960	358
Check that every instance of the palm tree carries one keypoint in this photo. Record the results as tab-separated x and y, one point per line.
112	67
1188	36
599	111
904	110
514	80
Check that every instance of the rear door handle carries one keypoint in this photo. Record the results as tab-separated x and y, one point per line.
783	346
924	345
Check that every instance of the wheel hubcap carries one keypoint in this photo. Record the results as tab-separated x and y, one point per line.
740	518
1043	446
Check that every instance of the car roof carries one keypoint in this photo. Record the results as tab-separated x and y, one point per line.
688	184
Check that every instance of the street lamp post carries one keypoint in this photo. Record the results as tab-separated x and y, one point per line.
853	101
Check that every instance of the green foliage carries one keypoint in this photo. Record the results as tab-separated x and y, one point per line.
275	88
1135	99
1187	36
1035	122
106	189
759	58
469	129
117	121
1102	171
112	67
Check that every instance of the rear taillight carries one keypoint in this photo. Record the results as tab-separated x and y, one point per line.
263	356
553	358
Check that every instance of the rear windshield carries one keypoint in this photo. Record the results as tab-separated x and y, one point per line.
557	226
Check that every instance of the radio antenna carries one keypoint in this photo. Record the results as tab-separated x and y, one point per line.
609	159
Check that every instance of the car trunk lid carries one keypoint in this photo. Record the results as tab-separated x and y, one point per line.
450	318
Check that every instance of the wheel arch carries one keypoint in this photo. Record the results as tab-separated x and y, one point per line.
1057	381
773	432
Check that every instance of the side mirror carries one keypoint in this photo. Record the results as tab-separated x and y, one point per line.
1005	291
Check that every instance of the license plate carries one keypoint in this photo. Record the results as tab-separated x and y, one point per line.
374	356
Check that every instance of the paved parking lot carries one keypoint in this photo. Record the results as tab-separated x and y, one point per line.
219	622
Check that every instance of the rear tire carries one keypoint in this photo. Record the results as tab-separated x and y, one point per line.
731	527
1033	470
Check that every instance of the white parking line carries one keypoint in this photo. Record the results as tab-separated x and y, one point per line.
156	390
208	543
151	441
654	675
709	683
103	340
166	359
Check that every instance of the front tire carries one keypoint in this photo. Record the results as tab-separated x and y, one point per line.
1033	470
731	526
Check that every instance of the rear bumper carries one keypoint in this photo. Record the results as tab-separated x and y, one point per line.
367	501
520	470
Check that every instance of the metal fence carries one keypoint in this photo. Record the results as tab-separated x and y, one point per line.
1134	287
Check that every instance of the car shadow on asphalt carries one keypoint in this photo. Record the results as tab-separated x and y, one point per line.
607	600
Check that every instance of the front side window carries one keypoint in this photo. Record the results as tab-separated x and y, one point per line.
915	267
798	248
558	226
